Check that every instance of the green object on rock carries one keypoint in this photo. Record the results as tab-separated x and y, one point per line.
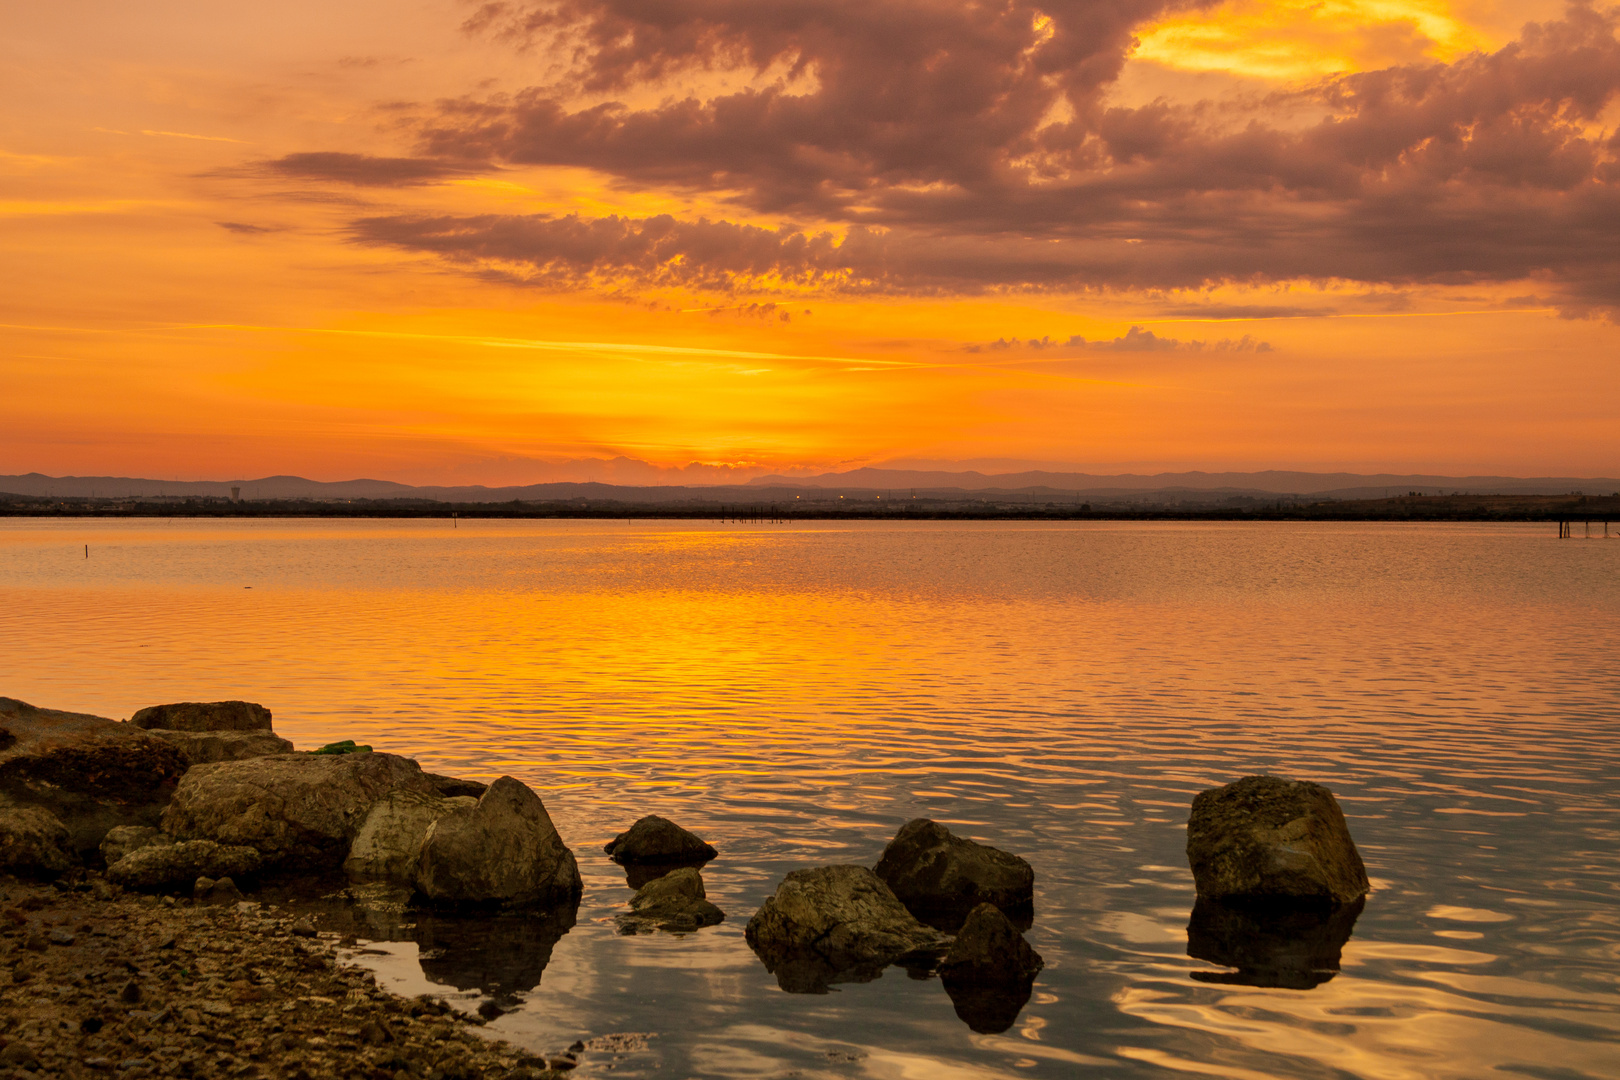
347	746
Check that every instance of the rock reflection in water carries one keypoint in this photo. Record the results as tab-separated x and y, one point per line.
499	955
988	1008
1288	947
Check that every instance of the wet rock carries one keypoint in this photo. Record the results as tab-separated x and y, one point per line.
1290	946
835	924
500	955
389	843
33	842
123	839
182	863
675	902
452	787
990	971
204	716
90	772
941	877
302	928
299	810
989	948
502	851
1263	839
658	840
202	747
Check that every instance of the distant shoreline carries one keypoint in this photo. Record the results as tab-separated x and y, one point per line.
1460	508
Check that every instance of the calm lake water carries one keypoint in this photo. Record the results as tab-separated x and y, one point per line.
794	693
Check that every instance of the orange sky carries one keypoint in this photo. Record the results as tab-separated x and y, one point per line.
438	241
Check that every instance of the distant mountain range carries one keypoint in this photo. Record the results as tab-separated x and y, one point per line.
1034	484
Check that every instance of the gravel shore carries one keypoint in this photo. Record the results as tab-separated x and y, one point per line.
99	982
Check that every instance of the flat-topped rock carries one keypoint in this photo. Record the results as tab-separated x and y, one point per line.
204	747
1264	839
941	877
204	716
299	810
502	851
182	863
654	839
836	924
89	772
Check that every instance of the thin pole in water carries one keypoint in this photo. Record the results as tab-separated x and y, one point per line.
87	551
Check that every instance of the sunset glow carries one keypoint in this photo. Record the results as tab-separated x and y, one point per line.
459	242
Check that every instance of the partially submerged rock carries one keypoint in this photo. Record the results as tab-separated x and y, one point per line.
675	902
203	747
941	877
204	716
33	842
654	839
1263	839
989	949
182	863
836	924
89	772
1291	947
299	810
389	843
502	851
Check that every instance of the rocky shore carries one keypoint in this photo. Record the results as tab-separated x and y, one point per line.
101	982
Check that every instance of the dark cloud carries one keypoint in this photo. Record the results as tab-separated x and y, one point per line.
1135	340
364	169
967	147
242	228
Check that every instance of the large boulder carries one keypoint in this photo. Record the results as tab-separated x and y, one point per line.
503	852
836	924
675	902
205	747
204	716
658	840
91	773
941	877
389	843
182	863
1263	839
300	811
33	842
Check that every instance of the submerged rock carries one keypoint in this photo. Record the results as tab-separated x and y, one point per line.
1291	947
1265	839
204	716
836	924
941	877
389	843
654	839
502	851
675	902
33	842
203	747
299	810
124	839
89	772
182	863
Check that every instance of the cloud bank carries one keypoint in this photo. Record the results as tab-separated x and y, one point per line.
964	147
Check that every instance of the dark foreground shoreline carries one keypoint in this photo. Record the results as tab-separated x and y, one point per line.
101	982
1576	508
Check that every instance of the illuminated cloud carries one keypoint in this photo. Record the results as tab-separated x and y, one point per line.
363	169
971	147
1136	339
